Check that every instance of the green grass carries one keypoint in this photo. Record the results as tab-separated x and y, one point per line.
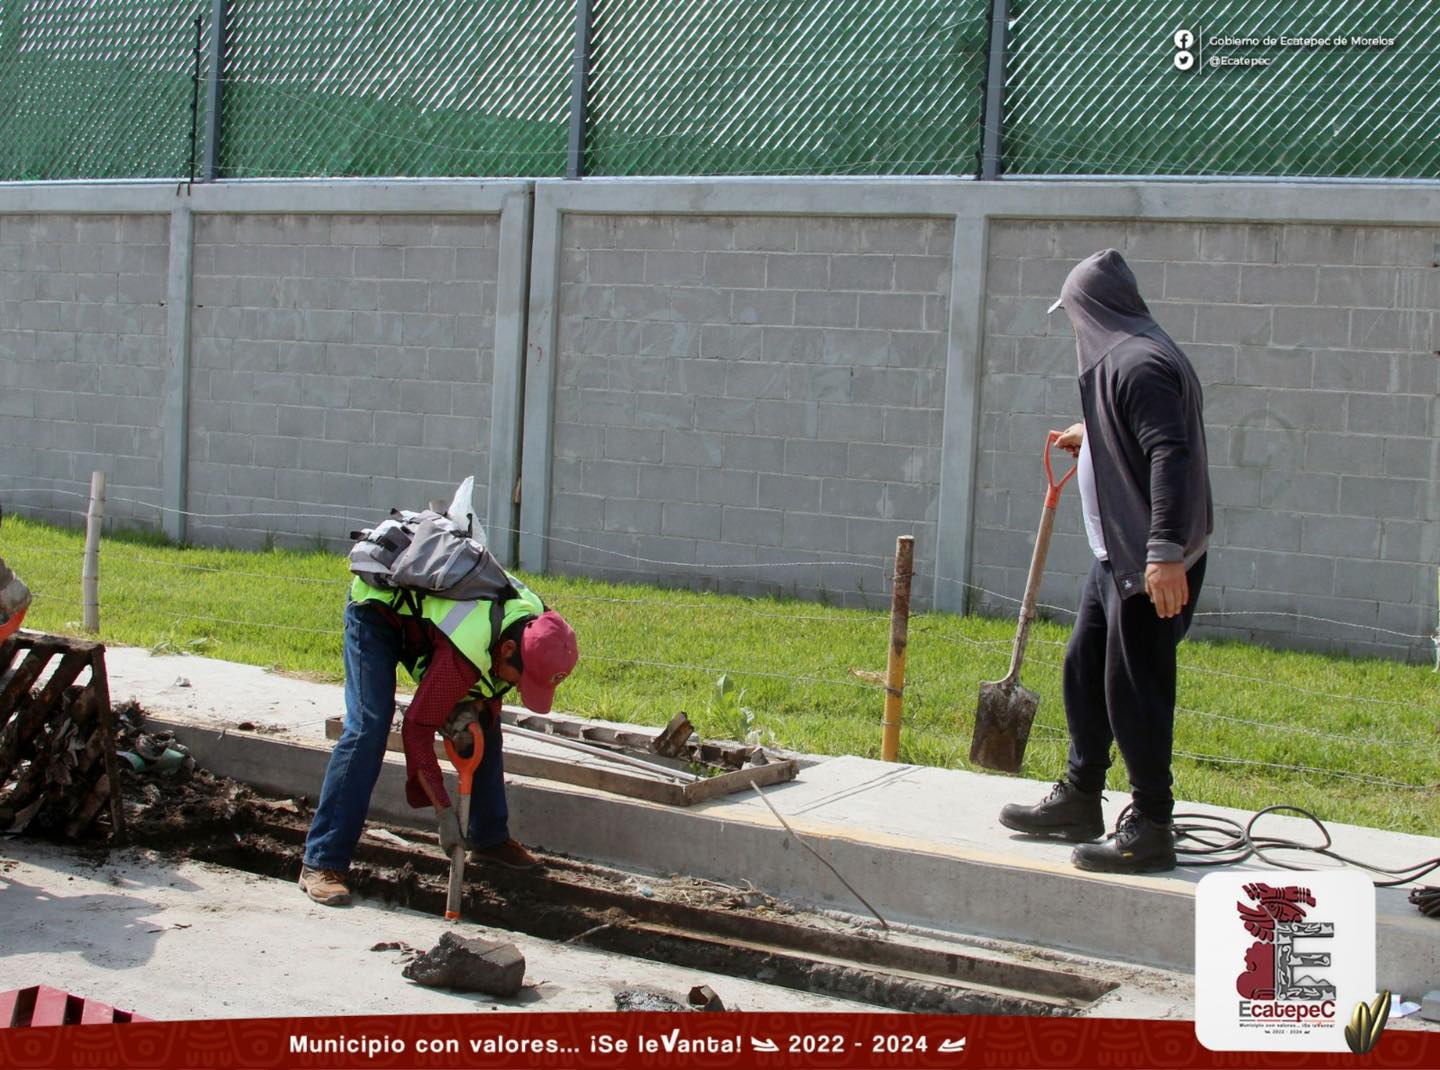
647	653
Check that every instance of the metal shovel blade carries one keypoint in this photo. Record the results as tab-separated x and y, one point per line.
1003	718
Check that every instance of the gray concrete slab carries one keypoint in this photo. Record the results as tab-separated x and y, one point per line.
174	939
922	844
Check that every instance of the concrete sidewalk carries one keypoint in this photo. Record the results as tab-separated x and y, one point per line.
175	939
921	844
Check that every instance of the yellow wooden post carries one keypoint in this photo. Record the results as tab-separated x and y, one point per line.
899	631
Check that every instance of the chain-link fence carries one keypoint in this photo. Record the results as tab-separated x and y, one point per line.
415	87
1095	87
98	88
757	87
105	88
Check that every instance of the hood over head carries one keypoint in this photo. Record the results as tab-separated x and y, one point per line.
1103	302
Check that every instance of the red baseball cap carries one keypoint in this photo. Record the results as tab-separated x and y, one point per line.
548	652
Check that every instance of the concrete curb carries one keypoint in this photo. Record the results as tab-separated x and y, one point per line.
998	892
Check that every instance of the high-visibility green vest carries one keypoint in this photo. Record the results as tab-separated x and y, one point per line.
469	625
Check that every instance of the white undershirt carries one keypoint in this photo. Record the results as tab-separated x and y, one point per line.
1089	504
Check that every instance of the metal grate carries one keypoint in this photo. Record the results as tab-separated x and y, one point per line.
753	87
1093	88
96	88
417	87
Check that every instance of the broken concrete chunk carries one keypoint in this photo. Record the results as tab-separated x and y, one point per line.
470	965
637	999
703	998
1430	1006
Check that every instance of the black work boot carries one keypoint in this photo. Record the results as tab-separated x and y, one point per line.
1067	813
1139	845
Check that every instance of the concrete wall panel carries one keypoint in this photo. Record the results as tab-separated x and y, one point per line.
82	361
740	398
341	365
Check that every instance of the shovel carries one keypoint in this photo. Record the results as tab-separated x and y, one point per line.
1006	710
465	766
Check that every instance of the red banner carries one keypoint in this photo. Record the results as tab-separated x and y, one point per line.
604	1041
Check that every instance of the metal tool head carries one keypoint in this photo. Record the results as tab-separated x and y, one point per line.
1003	718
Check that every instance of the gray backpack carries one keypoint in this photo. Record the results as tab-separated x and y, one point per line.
428	553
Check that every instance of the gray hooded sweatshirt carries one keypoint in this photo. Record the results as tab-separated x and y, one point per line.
1142	405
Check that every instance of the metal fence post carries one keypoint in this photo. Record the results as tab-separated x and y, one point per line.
575	164
995	91
213	91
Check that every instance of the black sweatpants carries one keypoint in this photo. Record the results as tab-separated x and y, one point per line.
1119	681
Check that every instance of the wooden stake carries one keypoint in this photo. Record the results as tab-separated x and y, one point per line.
90	572
899	631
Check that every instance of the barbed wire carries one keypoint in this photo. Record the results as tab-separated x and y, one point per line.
875	618
1363	778
883	567
914	689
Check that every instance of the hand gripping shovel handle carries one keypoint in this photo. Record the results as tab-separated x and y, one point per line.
1037	559
466	768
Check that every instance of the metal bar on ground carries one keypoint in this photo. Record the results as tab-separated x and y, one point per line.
90	571
899	637
601	752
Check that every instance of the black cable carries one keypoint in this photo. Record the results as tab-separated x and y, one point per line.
1236	843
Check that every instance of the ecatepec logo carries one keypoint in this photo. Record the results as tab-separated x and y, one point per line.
1280	963
1275	962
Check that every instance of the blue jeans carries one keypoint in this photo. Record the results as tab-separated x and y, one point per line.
372	652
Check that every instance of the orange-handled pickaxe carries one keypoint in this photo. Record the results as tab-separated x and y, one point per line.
465	765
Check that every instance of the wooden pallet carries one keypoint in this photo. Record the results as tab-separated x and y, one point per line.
36	725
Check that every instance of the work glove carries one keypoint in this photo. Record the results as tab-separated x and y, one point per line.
450	837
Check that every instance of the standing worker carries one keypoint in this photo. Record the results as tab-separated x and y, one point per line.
1145	491
453	650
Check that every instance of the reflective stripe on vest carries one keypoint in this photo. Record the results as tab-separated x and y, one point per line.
467	624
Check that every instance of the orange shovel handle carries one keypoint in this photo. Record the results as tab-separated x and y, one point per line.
466	766
1052	495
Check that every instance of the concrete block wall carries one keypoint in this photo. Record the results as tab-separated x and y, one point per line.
1319	351
737	395
82	361
747	385
341	365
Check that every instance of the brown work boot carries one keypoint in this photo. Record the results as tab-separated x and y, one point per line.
325	886
510	854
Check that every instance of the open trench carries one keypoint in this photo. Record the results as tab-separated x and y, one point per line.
696	924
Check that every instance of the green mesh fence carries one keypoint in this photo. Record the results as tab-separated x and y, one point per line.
96	88
1093	87
103	88
754	87
416	87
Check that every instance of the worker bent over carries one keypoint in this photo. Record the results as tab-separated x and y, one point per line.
453	650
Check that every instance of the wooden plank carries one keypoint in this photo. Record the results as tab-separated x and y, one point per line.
594	776
740	780
100	683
